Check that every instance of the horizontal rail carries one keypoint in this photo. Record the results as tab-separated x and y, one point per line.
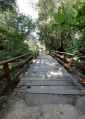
17	66
80	65
66	62
27	58
65	53
13	59
18	74
69	54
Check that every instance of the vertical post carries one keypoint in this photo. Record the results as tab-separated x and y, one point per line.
28	60
8	77
55	54
64	59
35	55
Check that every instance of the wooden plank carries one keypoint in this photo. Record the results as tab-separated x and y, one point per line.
43	78
49	83
56	90
54	81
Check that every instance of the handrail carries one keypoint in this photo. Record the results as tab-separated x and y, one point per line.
69	54
27	58
69	62
13	59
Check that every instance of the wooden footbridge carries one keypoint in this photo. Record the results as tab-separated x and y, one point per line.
45	75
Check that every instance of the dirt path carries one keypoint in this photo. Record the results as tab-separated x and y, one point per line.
23	105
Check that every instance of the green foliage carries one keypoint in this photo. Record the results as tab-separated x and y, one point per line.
12	44
6	5
14	30
32	42
62	25
80	44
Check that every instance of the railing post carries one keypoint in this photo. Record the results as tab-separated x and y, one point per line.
35	55
8	77
54	54
37	52
64	59
28	60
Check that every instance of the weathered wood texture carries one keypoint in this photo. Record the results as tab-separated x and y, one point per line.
47	76
24	62
68	63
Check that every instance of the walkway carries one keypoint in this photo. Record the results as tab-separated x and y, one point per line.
46	76
42	94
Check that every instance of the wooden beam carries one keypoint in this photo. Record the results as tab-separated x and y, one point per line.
8	77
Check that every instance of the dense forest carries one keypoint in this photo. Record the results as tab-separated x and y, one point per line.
14	30
61	26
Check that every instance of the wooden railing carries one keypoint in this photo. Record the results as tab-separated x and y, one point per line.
23	60
69	63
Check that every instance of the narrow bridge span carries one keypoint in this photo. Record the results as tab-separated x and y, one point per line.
47	76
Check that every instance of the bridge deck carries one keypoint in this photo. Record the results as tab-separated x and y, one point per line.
46	75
